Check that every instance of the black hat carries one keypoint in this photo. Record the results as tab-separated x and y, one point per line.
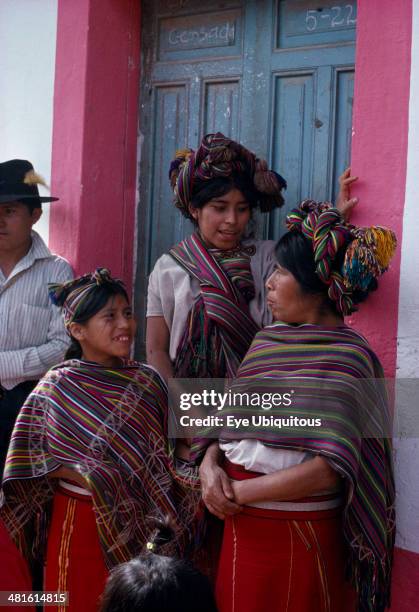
19	181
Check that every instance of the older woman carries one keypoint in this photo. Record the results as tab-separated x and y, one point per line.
318	506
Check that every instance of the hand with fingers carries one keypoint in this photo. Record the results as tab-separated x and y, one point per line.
344	203
217	490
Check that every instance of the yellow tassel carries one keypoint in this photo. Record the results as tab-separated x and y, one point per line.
183	154
32	178
385	244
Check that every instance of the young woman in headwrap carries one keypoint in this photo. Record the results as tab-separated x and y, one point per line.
317	504
88	460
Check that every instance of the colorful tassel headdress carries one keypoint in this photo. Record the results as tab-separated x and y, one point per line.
219	156
368	256
368	250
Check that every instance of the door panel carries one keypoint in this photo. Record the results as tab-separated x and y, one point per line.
344	97
170	127
221	112
291	125
193	37
303	23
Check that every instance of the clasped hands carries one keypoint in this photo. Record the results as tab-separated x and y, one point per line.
220	494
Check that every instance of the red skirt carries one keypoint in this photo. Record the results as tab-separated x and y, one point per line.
283	562
14	574
75	560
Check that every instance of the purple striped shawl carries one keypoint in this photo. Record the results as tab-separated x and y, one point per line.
331	360
219	327
110	425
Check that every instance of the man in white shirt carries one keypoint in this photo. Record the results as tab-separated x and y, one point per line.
32	333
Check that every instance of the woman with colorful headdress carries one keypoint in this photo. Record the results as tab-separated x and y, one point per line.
88	462
315	530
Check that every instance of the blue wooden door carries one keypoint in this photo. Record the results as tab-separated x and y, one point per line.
310	97
276	75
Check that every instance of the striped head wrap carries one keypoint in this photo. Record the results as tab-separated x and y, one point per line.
72	295
219	156
368	250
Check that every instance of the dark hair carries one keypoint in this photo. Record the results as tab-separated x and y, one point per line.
294	252
92	304
204	191
157	583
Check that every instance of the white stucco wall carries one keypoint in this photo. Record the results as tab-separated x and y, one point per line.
407	448
27	63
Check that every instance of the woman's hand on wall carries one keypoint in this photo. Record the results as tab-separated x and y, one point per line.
344	202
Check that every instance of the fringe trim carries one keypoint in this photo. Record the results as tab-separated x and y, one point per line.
370	576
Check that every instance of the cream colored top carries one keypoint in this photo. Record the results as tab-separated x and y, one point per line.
172	291
256	457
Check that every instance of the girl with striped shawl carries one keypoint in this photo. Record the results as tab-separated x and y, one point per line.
315	529
89	462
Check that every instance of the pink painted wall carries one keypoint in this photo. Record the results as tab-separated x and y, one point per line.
379	150
94	155
379	157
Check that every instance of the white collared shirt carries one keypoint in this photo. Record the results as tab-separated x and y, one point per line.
32	332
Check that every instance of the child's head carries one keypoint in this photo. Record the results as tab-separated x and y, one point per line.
98	317
156	583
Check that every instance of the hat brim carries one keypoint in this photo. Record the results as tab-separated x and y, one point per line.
15	197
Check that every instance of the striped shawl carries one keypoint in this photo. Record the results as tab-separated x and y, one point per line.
108	424
336	374
219	328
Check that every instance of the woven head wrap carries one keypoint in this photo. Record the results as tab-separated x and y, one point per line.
219	156
367	256
72	295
